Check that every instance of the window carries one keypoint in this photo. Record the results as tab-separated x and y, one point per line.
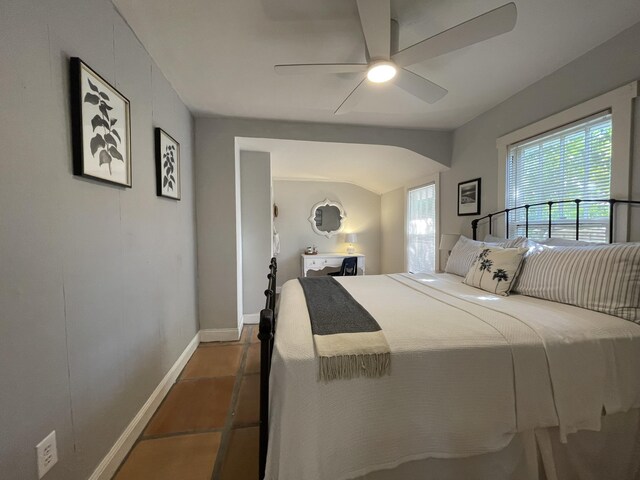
573	161
421	229
619	104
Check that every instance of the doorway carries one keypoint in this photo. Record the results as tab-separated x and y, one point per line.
421	229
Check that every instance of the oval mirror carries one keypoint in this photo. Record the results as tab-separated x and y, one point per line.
327	218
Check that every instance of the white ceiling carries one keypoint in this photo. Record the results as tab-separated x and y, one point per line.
219	54
378	168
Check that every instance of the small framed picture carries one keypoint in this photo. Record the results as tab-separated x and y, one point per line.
469	195
101	127
167	165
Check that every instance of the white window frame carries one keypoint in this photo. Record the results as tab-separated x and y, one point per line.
620	103
423	182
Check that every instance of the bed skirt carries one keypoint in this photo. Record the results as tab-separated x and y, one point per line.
613	453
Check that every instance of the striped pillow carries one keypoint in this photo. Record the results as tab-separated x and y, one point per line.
465	252
601	278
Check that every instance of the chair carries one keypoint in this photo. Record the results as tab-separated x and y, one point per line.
348	268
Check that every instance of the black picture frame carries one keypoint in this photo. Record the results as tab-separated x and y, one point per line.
167	165
470	197
101	140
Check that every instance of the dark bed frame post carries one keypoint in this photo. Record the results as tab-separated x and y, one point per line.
506	223
578	219
474	226
265	335
266	332
612	202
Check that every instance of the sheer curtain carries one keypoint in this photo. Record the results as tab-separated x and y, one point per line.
421	229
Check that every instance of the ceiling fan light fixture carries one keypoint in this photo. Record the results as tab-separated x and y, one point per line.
381	72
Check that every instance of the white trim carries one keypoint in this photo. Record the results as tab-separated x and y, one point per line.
110	463
620	102
220	334
251	318
328	180
238	212
272	205
278	290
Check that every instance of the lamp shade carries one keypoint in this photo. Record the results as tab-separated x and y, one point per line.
351	238
448	240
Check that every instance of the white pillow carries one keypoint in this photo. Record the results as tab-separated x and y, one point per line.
603	278
465	251
495	269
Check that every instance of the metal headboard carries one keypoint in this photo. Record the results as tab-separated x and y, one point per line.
611	201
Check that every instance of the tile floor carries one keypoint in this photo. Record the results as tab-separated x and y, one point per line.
207	426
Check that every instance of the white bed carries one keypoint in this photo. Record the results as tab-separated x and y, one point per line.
479	383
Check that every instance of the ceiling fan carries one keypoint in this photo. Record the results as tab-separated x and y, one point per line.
385	63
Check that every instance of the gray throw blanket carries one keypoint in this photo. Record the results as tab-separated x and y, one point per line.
348	340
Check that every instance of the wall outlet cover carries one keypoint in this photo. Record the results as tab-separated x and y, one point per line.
47	454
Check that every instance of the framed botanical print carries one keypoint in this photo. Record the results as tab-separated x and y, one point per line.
167	165
101	127
469	196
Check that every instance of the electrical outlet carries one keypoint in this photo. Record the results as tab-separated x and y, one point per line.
47	453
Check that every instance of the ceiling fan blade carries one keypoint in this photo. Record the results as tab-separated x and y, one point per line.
320	68
491	24
419	86
375	17
352	100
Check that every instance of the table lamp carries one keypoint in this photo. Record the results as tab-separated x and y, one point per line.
351	238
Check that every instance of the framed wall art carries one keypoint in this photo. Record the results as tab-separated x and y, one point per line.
101	127
469	196
167	165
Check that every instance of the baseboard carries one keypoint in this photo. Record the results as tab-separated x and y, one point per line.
120	449
220	334
251	318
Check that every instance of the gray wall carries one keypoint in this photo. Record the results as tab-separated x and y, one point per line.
219	267
608	66
393	231
97	290
295	200
255	194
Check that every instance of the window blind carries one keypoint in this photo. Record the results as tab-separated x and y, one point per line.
571	162
421	229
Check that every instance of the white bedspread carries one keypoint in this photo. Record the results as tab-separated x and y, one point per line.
469	370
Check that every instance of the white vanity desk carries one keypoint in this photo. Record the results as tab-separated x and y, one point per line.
322	260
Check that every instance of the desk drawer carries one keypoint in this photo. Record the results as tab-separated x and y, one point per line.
315	263
323	262
332	262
